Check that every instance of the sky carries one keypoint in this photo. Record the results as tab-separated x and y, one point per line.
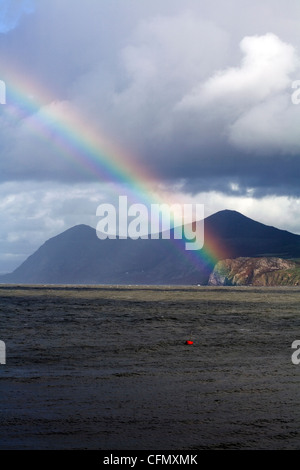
189	101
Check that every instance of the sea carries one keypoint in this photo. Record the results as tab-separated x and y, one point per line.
108	367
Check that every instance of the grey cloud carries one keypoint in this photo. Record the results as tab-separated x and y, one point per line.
128	66
141	72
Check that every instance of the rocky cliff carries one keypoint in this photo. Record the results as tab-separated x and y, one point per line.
255	271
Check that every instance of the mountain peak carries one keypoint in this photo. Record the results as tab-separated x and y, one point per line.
229	214
78	256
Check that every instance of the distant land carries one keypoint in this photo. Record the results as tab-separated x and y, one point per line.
77	256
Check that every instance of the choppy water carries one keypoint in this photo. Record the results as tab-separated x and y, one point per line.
108	368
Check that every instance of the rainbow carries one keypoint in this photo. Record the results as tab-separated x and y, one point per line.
79	141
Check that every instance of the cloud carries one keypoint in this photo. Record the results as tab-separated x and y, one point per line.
198	92
31	212
265	70
11	11
130	96
32	145
253	101
167	55
268	128
168	84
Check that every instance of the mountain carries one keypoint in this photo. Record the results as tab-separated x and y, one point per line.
77	256
255	272
242	236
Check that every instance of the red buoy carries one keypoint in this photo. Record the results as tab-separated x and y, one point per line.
189	342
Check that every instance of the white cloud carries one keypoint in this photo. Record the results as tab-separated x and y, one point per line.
167	56
253	101
269	127
282	212
265	70
31	213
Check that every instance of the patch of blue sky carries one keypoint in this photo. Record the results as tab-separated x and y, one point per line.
11	12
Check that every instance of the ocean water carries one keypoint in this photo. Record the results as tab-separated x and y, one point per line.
107	368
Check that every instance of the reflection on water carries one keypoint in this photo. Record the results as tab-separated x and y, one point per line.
108	368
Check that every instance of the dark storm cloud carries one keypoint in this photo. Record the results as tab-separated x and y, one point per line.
199	90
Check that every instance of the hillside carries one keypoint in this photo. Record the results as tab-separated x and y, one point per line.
77	256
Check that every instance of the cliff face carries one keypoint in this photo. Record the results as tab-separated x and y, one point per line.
256	272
